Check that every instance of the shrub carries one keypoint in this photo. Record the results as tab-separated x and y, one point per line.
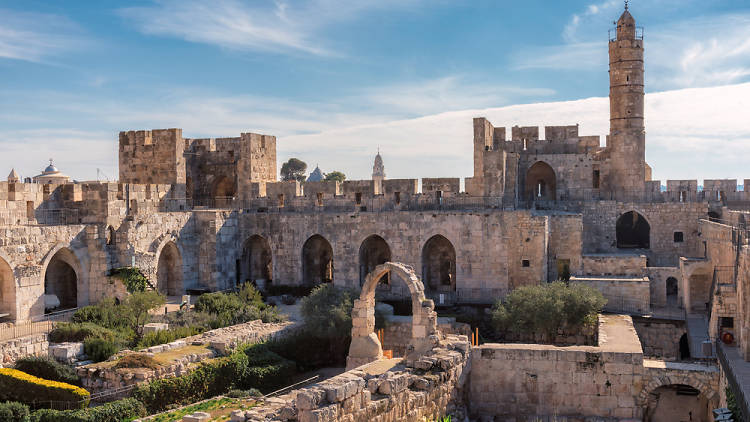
99	349
132	278
280	290
218	303
65	332
236	308
137	360
20	386
11	411
548	308
328	311
105	313
167	336
184	318
241	394
116	411
309	351
47	368
136	310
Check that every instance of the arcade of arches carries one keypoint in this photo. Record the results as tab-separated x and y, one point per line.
633	231
317	261
439	265
373	252
256	265
7	290
61	281
169	271
541	182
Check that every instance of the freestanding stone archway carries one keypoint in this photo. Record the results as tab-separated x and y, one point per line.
365	347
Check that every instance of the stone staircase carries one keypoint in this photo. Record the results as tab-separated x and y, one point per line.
697	331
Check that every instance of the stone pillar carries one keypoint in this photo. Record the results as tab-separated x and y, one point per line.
365	347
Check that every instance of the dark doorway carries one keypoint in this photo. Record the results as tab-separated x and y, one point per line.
439	265
541	182
256	266
684	347
317	261
633	231
672	290
373	252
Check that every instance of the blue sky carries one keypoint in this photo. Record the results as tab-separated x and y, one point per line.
330	77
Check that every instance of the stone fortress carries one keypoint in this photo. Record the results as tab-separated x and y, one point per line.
206	214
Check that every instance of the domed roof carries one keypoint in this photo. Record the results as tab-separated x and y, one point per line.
50	168
316	175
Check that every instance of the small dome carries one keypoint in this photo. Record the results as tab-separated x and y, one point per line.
51	169
316	175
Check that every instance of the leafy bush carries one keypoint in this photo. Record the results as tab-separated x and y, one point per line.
248	367
137	360
235	308
185	318
328	311
548	308
65	332
218	303
136	310
167	336
47	368
121	410
99	349
241	394
310	351
280	290
11	411
106	313
132	278
20	386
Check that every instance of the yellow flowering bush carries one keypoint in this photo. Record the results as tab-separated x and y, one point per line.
22	387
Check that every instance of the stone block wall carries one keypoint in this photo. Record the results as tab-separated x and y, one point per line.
615	264
33	345
623	294
660	338
397	332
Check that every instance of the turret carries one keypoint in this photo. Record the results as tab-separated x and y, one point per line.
627	141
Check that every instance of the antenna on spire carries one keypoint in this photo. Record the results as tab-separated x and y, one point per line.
50	161
626	4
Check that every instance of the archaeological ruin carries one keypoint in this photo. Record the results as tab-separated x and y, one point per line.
206	215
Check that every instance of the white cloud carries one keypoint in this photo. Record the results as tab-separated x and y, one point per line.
35	37
262	25
570	32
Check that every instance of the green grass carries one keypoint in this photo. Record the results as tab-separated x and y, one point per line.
206	406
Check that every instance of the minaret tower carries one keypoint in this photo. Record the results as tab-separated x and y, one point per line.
378	173
627	137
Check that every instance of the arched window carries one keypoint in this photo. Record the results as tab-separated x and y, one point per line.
373	252
672	290
439	264
541	182
317	261
169	271
633	231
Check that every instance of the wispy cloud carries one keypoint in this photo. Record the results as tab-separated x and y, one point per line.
35	37
271	26
570	32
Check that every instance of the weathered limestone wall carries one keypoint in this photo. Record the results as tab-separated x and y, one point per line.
379	392
512	380
658	277
11	350
617	264
660	338
623	294
397	332
565	244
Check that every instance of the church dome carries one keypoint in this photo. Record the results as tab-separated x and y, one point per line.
316	175
51	169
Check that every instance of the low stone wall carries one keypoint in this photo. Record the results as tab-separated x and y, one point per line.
432	388
397	332
626	294
660	338
102	376
11	350
612	264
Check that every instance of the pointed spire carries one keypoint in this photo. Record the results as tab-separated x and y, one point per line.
13	177
626	5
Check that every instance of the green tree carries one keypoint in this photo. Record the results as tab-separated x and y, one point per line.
136	308
335	176
328	311
294	169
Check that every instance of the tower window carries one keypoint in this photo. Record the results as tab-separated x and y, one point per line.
525	263
358	198
679	237
281	200
320	198
596	179
397	197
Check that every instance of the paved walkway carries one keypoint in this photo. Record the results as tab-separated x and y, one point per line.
697	328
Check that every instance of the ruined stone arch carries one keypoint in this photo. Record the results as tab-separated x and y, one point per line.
365	346
373	251
168	266
63	279
646	399
541	182
439	264
633	231
257	260
317	261
7	289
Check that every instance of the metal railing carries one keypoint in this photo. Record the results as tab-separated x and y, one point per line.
24	329
731	377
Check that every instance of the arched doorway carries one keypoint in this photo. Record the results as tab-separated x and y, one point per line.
684	347
672	290
169	271
317	261
61	281
439	265
541	183
633	231
373	252
677	402
223	191
257	265
7	291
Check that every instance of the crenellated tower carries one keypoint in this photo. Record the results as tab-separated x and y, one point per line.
627	137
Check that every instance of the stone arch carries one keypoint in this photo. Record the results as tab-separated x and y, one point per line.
541	182
169	272
365	346
633	231
373	251
439	264
62	279
317	261
672	290
7	290
257	260
223	190
645	398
